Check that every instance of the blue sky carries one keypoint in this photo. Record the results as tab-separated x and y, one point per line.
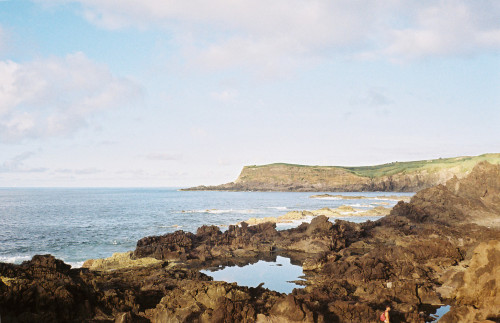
178	93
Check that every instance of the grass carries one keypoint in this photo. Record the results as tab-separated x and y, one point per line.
463	163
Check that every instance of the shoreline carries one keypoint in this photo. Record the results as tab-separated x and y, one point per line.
292	217
423	254
296	218
341	212
80	246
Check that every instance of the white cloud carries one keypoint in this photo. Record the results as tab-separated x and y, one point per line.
163	156
374	97
269	38
279	34
446	28
372	103
56	96
300	18
16	164
83	171
225	96
199	133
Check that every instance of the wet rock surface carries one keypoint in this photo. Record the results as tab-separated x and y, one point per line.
441	247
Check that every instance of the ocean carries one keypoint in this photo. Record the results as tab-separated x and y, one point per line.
76	224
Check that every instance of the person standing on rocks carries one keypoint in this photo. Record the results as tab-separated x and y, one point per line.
384	317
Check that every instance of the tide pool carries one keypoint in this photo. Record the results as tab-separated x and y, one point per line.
278	275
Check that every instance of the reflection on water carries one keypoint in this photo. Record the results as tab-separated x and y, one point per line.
440	312
275	275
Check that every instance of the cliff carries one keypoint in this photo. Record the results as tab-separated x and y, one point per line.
397	177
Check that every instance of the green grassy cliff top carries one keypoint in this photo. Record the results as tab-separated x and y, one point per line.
464	164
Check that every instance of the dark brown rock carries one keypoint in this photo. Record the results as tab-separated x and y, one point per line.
478	292
43	289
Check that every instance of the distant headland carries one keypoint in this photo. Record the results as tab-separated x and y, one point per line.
396	177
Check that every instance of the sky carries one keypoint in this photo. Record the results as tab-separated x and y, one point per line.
176	93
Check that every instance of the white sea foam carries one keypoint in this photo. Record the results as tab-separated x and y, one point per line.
293	223
77	264
14	259
361	205
281	208
223	211
328	198
381	203
170	226
20	259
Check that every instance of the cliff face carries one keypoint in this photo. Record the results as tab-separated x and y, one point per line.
282	177
475	198
397	177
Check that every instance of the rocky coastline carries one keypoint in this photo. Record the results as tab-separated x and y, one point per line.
359	197
442	247
343	211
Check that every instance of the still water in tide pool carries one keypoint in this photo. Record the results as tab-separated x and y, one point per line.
76	224
278	275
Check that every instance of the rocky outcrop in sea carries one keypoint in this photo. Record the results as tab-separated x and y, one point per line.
442	247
